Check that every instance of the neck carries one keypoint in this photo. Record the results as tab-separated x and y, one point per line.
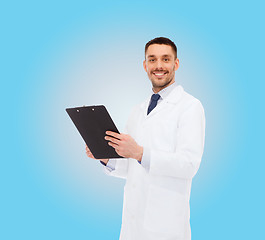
158	89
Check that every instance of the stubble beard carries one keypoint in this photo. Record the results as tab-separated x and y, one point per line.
161	84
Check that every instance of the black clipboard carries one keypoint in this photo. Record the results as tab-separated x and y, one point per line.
92	122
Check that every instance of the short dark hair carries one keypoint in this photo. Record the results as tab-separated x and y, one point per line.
161	40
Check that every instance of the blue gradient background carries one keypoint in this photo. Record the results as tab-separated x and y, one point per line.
58	54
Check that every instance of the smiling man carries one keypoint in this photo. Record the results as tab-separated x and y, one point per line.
160	64
162	151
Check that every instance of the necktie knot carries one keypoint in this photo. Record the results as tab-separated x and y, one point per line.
155	97
153	103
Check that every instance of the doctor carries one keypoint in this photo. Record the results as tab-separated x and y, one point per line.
163	146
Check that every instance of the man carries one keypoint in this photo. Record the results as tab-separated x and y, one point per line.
162	149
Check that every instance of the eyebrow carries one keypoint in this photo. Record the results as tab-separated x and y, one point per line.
166	55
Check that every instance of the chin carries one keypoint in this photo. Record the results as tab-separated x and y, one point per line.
160	84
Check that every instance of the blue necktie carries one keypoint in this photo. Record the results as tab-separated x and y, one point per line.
153	103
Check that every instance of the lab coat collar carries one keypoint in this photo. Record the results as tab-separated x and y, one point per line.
175	95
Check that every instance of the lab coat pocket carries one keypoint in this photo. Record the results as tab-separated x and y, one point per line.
165	211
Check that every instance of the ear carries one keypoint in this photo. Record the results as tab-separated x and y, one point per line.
176	64
144	64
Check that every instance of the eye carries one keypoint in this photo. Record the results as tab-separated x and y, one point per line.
151	60
166	59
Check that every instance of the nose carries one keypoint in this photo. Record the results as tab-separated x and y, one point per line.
159	64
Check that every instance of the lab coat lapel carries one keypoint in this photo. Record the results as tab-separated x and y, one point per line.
157	109
172	98
144	107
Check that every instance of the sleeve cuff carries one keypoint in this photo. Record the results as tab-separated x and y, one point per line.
110	165
146	159
103	163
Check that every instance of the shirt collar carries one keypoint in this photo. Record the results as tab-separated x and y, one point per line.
173	95
165	92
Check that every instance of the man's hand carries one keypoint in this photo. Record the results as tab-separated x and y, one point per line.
90	155
125	145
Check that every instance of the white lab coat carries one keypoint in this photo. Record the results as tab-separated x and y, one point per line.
156	200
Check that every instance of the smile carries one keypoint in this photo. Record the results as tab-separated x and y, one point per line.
160	74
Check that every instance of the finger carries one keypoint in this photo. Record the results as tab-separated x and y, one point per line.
113	134
114	145
90	155
118	151
88	150
114	140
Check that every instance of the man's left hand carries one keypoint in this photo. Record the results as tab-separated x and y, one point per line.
125	145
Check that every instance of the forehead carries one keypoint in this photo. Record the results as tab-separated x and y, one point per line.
159	50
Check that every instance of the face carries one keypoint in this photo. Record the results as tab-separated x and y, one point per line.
160	65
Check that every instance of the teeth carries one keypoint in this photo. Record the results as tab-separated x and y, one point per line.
159	74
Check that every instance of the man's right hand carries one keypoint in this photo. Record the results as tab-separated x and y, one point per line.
90	155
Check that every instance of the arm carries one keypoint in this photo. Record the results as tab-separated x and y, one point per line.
113	167
126	147
119	167
184	162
